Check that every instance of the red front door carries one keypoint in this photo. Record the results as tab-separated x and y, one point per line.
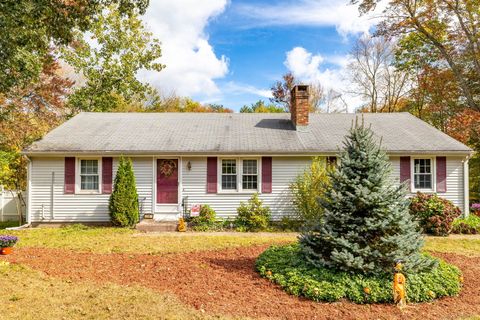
167	181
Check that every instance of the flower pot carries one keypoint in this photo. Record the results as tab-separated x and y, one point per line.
5	251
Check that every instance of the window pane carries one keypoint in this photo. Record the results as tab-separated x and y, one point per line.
89	182
89	167
249	182
229	182
249	166
422	166
229	166
423	181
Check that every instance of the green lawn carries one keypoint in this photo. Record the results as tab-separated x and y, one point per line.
460	244
108	240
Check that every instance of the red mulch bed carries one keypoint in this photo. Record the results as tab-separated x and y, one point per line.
225	282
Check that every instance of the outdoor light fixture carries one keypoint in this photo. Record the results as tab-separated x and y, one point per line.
189	166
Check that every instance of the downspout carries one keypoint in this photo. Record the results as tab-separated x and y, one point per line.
466	188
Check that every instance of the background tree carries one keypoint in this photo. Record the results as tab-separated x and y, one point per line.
122	48
281	93
26	114
29	28
445	32
261	107
174	103
123	204
375	79
366	222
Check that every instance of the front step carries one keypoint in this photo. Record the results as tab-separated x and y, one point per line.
148	225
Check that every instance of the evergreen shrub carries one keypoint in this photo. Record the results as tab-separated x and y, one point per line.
252	215
123	205
206	220
366	225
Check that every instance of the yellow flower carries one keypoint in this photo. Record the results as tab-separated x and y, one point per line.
366	290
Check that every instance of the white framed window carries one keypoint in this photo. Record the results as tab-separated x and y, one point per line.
229	174
250	174
423	174
239	175
89	175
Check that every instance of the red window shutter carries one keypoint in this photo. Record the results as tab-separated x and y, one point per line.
107	168
212	175
405	174
267	174
69	175
441	174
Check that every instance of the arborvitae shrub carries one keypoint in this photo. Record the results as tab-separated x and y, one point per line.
366	224
123	204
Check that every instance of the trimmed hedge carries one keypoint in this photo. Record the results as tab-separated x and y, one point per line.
285	266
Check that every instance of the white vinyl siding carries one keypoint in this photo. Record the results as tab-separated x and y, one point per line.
454	179
284	171
60	207
47	192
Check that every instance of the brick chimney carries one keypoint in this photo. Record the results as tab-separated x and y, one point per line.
299	107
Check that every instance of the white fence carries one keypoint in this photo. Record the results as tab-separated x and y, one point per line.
8	205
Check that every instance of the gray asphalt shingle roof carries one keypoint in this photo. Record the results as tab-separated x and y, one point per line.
218	133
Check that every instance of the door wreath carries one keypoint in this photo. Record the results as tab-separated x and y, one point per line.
167	167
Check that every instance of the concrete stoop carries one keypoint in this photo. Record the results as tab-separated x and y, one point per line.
150	225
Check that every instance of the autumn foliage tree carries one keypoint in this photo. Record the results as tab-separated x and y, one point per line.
26	114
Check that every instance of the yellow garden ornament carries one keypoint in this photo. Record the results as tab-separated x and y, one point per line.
399	281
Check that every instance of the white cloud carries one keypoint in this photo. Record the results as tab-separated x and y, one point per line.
191	63
303	64
339	13
308	68
239	88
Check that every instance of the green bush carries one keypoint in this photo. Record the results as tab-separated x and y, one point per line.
470	225
206	220
123	204
252	215
307	188
287	267
435	214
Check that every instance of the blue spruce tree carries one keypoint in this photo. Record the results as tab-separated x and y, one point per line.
366	224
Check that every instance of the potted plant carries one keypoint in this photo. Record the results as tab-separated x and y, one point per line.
7	243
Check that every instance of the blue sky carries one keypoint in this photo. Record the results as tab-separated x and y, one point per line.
230	52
